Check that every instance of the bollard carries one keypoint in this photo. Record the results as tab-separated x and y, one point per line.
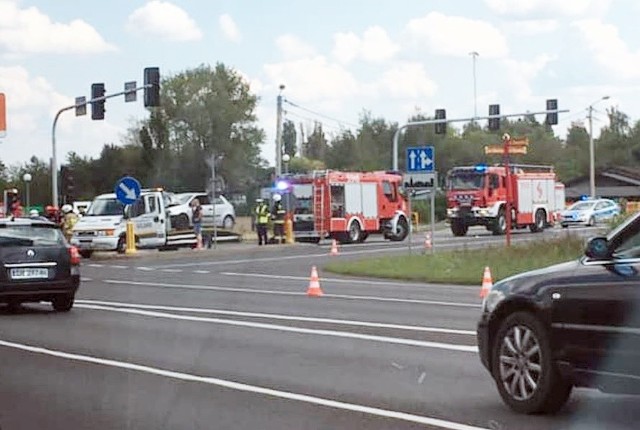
288	231
131	239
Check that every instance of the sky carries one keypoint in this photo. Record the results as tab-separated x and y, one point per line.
336	59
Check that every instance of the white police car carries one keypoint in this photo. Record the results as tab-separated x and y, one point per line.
589	212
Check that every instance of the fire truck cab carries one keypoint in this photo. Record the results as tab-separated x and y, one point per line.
346	206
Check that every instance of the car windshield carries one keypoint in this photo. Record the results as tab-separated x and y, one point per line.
582	206
466	181
183	199
105	207
29	235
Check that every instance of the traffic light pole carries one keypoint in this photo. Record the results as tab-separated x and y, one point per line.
54	159
396	135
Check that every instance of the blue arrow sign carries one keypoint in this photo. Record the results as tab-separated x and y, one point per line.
127	190
421	159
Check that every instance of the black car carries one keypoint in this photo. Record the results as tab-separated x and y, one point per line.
574	324
37	264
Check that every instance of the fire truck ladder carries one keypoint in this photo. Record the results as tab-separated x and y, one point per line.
318	203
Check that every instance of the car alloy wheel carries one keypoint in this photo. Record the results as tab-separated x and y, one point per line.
520	363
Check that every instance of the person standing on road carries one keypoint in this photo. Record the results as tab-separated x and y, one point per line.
69	219
262	220
277	214
196	212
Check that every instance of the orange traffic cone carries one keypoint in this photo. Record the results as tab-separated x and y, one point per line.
314	284
427	241
334	247
487	283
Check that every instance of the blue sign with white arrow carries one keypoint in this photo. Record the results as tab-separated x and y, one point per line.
127	190
421	159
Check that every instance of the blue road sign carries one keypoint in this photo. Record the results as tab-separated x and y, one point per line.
421	159
127	190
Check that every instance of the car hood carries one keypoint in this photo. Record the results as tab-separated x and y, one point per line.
528	283
177	209
93	222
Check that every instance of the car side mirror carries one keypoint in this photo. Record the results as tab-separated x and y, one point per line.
598	248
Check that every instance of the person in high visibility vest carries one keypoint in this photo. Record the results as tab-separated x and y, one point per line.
277	214
262	220
68	221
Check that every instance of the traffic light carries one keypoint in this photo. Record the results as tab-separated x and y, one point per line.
151	92
441	127
552	118
494	123
97	108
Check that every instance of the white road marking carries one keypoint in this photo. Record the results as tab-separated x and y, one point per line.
335	404
351	281
281	317
115	266
289	293
145	269
171	270
202	272
95	265
276	327
83	279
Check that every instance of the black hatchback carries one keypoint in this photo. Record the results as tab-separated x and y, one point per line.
37	264
574	324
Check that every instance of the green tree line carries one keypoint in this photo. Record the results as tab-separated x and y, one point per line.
210	110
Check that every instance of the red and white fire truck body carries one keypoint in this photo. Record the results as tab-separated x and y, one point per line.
477	195
347	206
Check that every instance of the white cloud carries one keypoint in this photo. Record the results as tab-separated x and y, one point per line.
406	81
521	73
292	47
164	19
313	78
374	46
532	27
29	31
608	48
229	28
548	8
457	36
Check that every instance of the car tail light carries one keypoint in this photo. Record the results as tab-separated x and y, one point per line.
75	255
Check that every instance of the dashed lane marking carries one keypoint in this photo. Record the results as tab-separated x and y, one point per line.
290	293
255	389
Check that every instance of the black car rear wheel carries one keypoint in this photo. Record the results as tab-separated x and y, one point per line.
63	303
523	367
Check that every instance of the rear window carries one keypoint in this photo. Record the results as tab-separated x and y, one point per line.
30	235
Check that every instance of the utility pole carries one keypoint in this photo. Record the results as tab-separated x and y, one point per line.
474	55
212	165
279	134
592	157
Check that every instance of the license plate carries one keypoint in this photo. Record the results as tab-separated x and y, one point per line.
29	273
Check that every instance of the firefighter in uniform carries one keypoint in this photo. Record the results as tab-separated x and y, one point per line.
278	214
262	220
69	219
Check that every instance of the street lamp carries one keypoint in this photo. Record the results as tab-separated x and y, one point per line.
475	55
27	180
592	168
285	159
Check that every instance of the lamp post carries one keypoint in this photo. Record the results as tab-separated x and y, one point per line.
592	156
475	55
27	181
285	159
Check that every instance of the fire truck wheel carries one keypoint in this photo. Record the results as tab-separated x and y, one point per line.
459	228
500	224
355	232
364	236
402	231
539	222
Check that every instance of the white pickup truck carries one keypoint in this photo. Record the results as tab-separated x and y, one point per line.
103	227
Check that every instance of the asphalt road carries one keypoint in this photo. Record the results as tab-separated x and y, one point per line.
228	339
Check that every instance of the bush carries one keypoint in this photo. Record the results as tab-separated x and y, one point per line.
423	207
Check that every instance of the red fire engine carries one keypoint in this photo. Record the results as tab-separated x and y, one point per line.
347	206
477	195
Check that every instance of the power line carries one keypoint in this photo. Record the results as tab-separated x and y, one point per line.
320	114
314	120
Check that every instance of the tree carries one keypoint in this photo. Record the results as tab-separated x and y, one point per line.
289	138
316	145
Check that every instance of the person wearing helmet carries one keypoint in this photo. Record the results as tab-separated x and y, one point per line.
277	214
69	219
262	221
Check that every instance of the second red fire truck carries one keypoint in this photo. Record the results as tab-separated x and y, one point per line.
477	195
346	206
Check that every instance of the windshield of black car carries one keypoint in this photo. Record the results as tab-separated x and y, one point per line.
105	207
466	181
30	235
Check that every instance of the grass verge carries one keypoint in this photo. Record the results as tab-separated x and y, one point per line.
466	266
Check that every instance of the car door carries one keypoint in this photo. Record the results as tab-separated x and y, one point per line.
150	229
207	209
597	310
